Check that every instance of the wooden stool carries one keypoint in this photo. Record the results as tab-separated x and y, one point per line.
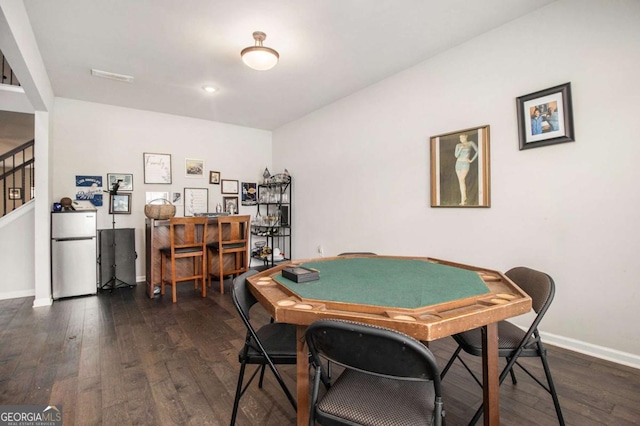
188	236
233	238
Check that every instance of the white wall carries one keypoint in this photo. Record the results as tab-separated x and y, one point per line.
96	139
19	46
361	166
16	248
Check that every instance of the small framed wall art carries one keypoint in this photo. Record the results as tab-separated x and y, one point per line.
120	204
124	180
460	168
176	198
249	194
157	168
196	200
229	186
214	178
15	193
545	117
193	168
153	196
229	204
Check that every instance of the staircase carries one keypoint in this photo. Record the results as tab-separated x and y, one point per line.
17	177
16	166
8	77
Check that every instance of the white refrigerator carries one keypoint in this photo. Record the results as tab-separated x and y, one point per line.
73	253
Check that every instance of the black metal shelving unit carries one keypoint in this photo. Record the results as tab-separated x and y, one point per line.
273	221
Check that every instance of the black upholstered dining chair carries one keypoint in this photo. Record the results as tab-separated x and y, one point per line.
389	378
271	344
513	342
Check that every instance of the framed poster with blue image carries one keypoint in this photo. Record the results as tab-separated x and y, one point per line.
89	188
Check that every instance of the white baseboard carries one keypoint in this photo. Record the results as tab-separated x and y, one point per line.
596	351
38	303
17	294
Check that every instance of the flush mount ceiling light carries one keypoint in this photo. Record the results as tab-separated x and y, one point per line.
259	57
112	76
209	89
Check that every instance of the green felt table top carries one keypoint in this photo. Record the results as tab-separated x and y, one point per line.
400	283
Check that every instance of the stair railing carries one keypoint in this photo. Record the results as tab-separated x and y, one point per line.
17	177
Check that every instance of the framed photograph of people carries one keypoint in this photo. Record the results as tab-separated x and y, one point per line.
157	168
124	180
120	204
230	204
460	168
545	117
214	178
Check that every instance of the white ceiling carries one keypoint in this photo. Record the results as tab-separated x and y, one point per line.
328	49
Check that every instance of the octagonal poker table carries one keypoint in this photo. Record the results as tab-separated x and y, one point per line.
423	297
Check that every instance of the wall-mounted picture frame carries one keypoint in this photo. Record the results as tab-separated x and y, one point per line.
214	178
229	186
460	168
193	168
14	193
157	168
120	204
228	202
545	117
125	181
89	187
196	200
176	198
154	195
249	193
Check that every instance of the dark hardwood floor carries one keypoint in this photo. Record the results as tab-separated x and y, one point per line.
124	359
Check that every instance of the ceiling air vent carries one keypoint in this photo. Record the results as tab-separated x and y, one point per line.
112	76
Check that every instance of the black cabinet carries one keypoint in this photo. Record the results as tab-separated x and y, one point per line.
116	258
271	230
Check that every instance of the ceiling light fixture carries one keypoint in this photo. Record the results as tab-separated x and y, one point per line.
209	89
112	76
259	57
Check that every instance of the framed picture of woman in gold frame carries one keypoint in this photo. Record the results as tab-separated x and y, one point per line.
460	168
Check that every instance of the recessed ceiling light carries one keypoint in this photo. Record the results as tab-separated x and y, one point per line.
209	89
112	76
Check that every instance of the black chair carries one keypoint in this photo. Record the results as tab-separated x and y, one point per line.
389	378
513	342
273	343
